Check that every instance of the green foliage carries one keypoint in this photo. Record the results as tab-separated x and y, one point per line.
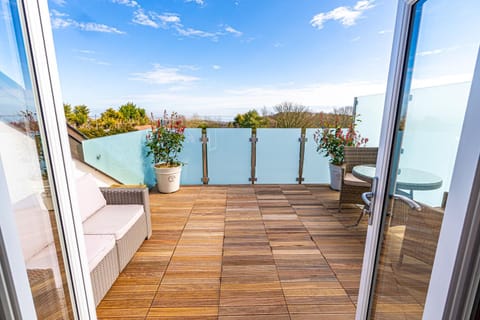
130	112
166	140
331	142
111	121
80	114
250	119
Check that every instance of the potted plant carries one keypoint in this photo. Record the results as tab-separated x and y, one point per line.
165	142
331	143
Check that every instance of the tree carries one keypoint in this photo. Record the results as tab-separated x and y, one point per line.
250	119
80	113
131	113
290	115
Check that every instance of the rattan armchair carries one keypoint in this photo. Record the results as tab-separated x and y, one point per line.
352	187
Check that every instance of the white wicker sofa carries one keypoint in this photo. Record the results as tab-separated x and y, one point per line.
116	221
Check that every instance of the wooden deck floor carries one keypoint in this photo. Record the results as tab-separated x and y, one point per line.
243	252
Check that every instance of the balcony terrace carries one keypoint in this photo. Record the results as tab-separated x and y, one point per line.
252	252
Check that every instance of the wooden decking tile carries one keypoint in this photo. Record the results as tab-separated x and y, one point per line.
253	252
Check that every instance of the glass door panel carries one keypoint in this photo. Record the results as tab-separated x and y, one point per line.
23	160
424	152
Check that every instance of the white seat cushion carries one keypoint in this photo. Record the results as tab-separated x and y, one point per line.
90	198
113	219
98	246
33	225
351	180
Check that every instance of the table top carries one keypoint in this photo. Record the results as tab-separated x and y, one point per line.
407	179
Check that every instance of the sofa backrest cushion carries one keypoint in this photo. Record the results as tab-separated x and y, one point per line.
90	198
33	223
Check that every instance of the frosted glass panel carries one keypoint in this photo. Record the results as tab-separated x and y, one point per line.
315	166
122	156
369	112
430	141
229	155
424	143
278	155
191	155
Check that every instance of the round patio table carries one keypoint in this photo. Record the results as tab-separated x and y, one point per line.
407	178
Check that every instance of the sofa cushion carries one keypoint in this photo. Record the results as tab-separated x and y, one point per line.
33	225
113	219
351	180
98	246
90	198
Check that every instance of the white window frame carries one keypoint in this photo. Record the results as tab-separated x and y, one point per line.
38	39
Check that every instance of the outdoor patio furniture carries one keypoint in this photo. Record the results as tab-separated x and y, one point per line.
421	232
116	221
352	187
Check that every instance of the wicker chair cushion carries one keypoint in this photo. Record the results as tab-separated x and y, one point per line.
98	246
89	195
351	180
116	220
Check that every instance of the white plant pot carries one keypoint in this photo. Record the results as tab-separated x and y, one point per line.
335	177
168	178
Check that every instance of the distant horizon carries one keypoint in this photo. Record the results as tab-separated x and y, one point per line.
218	58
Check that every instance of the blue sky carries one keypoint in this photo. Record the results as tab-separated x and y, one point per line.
221	57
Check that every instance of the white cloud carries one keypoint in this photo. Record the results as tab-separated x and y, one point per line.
385	31
167	19
190	32
98	27
85	51
139	17
189	67
93	60
128	3
347	16
231	30
216	67
163	75
61	21
199	2
431	52
59	2
363	5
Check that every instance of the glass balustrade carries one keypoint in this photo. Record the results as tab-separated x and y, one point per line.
278	152
276	157
229	156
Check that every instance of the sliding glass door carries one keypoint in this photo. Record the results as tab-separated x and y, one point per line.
436	43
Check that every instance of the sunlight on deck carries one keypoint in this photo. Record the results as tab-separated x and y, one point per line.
252	252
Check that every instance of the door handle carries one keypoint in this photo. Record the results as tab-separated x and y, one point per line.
366	197
369	200
411	203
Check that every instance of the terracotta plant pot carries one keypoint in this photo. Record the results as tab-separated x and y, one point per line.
168	178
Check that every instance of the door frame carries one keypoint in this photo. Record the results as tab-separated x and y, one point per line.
461	196
37	34
398	60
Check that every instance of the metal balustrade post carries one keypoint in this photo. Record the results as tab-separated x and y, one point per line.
254	141
204	140
302	141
